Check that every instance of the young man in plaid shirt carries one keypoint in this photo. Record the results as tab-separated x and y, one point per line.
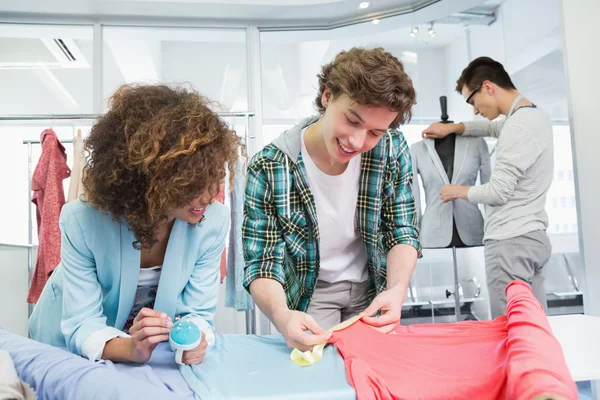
330	228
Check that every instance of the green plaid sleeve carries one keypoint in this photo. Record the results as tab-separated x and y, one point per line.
399	216
261	240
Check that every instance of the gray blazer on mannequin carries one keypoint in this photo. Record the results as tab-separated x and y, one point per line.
471	158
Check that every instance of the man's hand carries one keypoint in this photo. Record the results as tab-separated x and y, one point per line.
438	130
389	302
294	325
453	192
195	356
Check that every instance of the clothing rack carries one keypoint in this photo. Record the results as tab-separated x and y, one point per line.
250	315
49	117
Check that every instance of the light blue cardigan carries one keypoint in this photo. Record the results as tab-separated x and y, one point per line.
95	283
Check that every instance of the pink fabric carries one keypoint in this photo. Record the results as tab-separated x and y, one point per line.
514	357
49	197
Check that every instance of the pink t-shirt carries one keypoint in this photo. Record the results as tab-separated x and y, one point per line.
513	357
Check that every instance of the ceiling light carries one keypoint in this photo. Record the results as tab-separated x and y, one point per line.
414	31
364	4
431	31
375	21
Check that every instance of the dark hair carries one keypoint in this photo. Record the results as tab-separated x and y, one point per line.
371	77
484	69
156	149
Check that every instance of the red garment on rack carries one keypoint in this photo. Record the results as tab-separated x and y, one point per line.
49	197
512	357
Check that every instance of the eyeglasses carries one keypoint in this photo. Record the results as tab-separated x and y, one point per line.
473	94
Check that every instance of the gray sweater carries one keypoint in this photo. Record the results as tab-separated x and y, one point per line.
516	193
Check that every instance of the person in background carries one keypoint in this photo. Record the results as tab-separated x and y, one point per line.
330	228
516	243
144	244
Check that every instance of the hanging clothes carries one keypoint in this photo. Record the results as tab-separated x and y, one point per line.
49	197
75	184
236	296
223	266
512	357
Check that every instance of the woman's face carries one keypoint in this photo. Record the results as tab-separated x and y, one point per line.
193	212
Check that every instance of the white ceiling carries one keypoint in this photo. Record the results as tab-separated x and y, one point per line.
209	9
310	12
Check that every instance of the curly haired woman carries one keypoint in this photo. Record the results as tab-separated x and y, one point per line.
330	228
143	245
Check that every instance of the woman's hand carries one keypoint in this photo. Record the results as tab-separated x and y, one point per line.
195	356
148	330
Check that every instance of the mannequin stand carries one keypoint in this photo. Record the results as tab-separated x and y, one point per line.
456	286
456	292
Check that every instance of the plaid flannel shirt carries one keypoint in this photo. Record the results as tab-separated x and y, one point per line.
280	233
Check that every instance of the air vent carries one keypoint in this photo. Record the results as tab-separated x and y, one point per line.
65	50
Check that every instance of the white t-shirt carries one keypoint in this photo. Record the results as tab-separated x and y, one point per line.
343	256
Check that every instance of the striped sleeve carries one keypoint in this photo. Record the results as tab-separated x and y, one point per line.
516	153
483	128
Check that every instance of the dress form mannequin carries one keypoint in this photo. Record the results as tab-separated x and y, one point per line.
455	160
445	148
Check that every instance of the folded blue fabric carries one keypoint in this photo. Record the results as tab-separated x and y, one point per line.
245	367
240	367
55	373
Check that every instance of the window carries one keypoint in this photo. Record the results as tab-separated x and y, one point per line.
46	69
556	228
212	61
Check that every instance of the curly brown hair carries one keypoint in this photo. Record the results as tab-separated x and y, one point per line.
371	77
155	150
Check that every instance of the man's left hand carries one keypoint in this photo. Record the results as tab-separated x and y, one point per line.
389	302
453	192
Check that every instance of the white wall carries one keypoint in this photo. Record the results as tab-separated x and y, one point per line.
13	289
457	58
531	30
430	83
579	20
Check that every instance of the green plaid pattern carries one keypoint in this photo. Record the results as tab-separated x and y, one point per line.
280	233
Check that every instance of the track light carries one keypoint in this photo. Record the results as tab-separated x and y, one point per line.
364	4
431	31
375	21
414	31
